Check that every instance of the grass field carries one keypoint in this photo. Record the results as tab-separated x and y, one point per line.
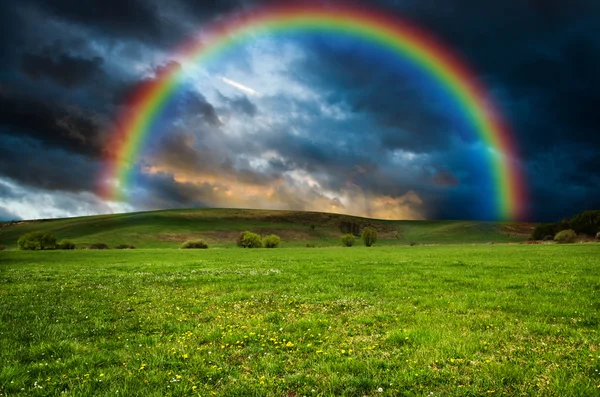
425	320
220	228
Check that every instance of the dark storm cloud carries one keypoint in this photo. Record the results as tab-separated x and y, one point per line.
29	162
540	61
66	70
445	178
162	191
69	66
411	117
196	105
135	18
161	24
56	126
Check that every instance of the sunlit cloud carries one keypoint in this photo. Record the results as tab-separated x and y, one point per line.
239	86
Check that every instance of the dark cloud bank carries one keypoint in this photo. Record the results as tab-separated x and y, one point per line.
67	73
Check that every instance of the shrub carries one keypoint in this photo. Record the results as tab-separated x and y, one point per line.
65	245
2	248
249	240
545	229
348	240
271	241
124	247
369	236
548	238
194	244
98	246
565	237
37	241
588	222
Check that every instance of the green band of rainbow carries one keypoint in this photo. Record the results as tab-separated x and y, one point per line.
382	30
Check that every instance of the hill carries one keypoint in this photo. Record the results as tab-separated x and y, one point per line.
220	227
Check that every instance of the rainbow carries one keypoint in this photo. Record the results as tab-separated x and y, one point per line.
398	36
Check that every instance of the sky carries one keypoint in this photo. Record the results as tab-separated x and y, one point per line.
316	122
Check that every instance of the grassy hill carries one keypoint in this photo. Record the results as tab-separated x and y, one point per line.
220	227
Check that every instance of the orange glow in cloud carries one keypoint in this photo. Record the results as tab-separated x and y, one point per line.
304	194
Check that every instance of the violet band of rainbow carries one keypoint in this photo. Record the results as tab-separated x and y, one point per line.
396	35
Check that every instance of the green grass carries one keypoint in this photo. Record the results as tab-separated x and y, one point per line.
448	320
170	228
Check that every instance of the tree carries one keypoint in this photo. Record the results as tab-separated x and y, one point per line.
350	227
588	222
37	241
271	241
369	236
348	240
249	240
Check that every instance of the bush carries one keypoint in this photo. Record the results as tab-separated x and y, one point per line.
348	240
98	246
271	241
545	229
249	240
548	238
124	247
588	222
65	245
566	237
37	241
369	236
2	248
194	244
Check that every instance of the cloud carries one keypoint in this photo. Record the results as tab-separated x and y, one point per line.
339	122
66	70
136	18
67	128
239	86
38	203
196	105
28	162
6	215
445	178
293	191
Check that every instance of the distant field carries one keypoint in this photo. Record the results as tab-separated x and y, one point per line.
447	320
220	227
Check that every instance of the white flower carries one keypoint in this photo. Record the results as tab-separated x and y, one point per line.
380	390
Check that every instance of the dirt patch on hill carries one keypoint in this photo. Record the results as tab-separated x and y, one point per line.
517	229
178	237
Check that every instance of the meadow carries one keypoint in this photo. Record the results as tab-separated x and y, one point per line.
460	320
221	227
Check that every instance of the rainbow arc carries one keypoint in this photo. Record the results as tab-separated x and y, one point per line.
398	36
